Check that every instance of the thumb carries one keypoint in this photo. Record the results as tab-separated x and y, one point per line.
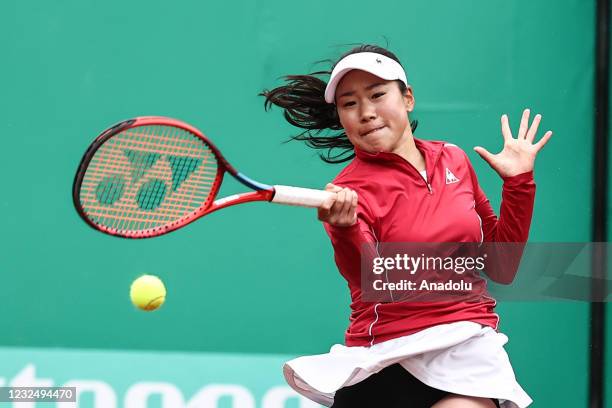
484	153
326	206
332	187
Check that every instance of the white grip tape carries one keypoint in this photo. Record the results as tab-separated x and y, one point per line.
304	197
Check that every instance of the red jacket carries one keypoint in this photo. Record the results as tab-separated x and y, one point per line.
396	204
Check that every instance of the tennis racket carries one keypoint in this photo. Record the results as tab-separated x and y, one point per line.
148	176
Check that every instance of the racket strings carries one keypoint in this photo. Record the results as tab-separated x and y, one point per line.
148	177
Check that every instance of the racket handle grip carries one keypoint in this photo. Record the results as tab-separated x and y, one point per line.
304	197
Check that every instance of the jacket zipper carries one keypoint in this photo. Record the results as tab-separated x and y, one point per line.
430	176
427	183
420	175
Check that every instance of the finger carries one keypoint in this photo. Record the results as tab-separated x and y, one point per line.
533	130
484	153
505	127
523	126
346	207
329	202
337	207
353	210
543	140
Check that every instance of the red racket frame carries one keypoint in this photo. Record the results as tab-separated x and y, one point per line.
263	192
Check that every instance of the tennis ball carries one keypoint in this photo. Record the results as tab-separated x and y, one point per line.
148	292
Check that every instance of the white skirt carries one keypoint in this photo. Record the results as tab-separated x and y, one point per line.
462	358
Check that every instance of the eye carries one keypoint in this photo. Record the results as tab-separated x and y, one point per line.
347	104
378	95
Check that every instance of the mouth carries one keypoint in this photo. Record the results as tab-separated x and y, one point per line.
372	131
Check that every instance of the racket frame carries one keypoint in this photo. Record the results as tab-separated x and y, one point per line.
262	192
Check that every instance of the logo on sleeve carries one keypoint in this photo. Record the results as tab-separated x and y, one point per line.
450	177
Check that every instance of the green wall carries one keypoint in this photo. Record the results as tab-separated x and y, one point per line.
259	278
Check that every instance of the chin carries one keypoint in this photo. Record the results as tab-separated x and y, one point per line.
378	147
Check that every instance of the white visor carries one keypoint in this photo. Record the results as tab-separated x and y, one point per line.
376	64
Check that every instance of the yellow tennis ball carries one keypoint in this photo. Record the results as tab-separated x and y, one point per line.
148	292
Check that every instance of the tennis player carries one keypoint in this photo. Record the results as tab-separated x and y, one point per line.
398	188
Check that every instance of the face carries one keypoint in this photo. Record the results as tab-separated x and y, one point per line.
373	111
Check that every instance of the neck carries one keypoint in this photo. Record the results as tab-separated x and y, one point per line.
408	151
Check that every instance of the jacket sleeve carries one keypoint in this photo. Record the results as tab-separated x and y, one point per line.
353	243
512	226
518	195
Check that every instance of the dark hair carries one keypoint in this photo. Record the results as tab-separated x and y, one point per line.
303	101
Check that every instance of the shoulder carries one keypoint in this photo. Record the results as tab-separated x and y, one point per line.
440	147
451	148
353	175
451	155
453	151
357	175
436	145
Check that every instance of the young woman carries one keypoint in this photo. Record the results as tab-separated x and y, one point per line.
398	188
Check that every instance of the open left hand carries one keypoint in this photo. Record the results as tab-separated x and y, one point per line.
518	155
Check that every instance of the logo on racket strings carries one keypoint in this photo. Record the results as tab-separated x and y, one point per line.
152	193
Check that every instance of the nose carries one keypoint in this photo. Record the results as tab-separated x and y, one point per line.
368	112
